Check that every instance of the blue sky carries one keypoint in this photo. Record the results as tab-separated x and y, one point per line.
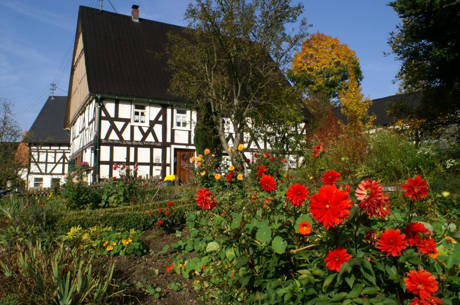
36	42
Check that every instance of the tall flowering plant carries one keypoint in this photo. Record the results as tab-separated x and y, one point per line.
284	241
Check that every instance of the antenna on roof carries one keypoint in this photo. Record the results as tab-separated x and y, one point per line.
101	4
53	88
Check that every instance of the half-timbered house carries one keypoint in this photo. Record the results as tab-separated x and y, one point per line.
48	146
119	109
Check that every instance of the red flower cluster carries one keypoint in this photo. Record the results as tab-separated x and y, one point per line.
160	222
318	150
416	189
170	203
331	177
432	300
421	283
229	176
261	169
392	242
205	199
336	258
373	201
415	232
267	183
169	268
297	194
418	235
330	206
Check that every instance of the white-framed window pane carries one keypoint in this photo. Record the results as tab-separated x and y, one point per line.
139	114
38	182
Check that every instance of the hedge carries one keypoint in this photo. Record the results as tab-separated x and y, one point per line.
125	218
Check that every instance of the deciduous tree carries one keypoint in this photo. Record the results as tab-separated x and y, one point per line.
232	58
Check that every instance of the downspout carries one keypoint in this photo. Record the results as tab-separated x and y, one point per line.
97	146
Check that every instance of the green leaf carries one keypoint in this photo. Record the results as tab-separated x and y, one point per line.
328	281
454	258
230	254
236	221
350	280
212	246
264	233
303	217
356	291
279	245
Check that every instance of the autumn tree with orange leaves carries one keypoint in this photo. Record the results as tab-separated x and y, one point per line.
328	68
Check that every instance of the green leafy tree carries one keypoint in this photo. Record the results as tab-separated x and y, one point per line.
232	58
206	134
428	44
9	136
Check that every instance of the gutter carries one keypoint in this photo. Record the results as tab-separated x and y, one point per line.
97	142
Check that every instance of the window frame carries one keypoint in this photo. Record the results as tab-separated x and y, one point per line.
145	111
184	118
36	182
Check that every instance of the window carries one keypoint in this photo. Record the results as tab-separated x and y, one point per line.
181	118
38	182
139	114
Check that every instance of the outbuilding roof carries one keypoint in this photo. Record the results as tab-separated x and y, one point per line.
48	127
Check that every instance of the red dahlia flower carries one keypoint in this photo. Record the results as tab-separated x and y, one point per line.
149	213
318	150
416	189
169	268
431	300
330	206
261	169
170	203
160	222
229	176
267	155
421	283
392	242
205	199
336	258
374	202
415	232
304	228
331	177
267	183
297	194
427	246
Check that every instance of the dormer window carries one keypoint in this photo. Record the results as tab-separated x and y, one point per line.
182	120
139	114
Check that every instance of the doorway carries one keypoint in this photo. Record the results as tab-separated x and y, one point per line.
184	165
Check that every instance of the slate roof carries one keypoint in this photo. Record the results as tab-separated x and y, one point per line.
125	58
391	108
48	127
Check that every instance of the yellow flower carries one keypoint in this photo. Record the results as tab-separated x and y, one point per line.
451	240
124	242
445	194
180	266
199	158
197	282
203	173
130	240
114	243
241	147
109	248
207	151
231	168
217	176
105	243
230	149
239	177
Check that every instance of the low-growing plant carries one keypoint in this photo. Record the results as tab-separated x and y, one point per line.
104	241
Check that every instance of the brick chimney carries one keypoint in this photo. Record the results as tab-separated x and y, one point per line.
135	13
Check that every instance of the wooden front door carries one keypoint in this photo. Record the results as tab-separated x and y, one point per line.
184	165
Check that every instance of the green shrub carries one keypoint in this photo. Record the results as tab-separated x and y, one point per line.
79	195
393	157
123	218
